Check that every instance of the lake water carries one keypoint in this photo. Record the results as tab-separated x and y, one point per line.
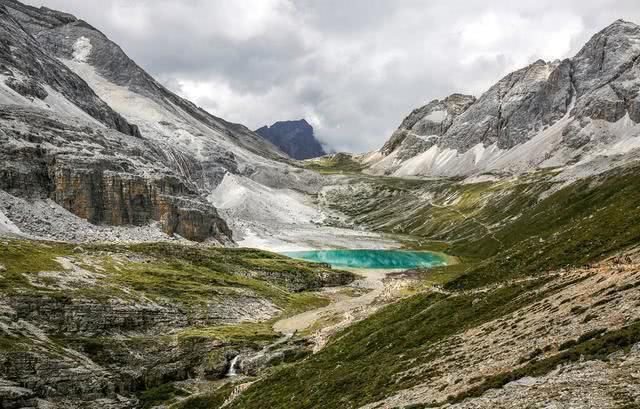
374	259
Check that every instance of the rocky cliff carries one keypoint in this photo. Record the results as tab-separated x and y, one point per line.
295	138
547	114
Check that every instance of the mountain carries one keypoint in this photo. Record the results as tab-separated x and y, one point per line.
86	130
127	217
295	138
534	187
545	115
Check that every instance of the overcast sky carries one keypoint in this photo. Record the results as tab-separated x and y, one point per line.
353	68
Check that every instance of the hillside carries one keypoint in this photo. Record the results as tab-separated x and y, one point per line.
546	296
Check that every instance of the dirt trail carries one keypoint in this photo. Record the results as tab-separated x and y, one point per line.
340	304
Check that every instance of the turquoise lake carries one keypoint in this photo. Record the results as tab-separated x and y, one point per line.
374	259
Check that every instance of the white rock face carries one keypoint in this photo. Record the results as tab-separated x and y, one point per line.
81	49
7	226
283	219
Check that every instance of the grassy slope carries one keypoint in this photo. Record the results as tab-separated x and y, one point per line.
576	225
162	271
338	163
166	273
583	222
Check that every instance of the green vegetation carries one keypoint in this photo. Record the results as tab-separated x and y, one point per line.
160	394
501	231
21	257
584	222
191	275
337	163
208	400
362	364
13	344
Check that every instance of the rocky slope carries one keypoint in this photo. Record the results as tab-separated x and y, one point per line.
295	138
85	128
548	114
95	326
542	306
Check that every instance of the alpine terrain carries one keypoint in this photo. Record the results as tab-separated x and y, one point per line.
295	138
153	255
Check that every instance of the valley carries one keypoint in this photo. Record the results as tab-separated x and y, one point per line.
153	255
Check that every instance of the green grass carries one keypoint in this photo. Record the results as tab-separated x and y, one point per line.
574	226
210	400
338	163
159	395
14	344
362	363
166	272
584	222
20	257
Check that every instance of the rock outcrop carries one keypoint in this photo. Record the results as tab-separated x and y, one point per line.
295	138
101	323
101	175
27	67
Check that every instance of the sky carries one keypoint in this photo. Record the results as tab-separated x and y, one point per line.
353	68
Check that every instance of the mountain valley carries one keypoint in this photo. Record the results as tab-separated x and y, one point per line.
142	241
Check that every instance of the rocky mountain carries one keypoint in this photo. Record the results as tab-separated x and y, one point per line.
86	130
130	222
295	138
547	114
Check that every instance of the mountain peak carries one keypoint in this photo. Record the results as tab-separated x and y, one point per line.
294	137
621	28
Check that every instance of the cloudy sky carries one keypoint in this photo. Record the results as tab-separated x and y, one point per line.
352	68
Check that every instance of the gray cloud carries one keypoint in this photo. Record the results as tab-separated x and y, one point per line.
353	68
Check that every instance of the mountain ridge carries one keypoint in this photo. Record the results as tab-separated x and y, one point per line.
595	89
90	82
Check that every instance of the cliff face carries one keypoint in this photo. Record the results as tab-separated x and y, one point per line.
27	68
295	138
547	114
101	175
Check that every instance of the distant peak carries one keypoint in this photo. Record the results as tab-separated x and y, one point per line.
293	122
620	24
294	137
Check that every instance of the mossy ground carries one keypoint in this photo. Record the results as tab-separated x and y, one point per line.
339	163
